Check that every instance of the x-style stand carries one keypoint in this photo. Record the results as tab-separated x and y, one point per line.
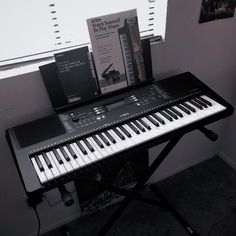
133	193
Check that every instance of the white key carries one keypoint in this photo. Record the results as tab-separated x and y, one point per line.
218	107
60	167
112	146
168	126
119	143
186	119
134	139
162	127
89	153
178	122
73	161
195	115
157	130
138	137
66	164
85	157
116	145
215	108
107	148
212	109
153	132
202	113
101	150
189	118
95	147
134	124
47	171
143	136
79	159
129	139
95	153
54	169
40	174
127	142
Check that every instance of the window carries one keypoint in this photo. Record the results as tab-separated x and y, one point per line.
33	29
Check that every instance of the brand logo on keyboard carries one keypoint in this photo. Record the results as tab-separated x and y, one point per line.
123	115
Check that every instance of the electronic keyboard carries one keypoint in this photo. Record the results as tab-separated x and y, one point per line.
55	149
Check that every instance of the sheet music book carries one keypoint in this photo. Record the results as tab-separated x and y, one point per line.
117	50
76	74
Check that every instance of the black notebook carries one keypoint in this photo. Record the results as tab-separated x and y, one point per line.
77	75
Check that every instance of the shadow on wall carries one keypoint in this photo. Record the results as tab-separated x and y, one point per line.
23	98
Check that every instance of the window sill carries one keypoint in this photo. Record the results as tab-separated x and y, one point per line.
33	66
23	68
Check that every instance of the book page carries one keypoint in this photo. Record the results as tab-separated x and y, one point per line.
117	50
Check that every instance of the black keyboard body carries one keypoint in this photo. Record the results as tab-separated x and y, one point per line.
65	127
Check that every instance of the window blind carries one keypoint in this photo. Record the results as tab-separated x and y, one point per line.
33	29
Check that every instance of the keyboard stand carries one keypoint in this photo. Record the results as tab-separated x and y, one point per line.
133	193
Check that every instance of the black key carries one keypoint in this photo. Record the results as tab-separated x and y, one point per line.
104	139
140	127
110	137
64	153
45	157
121	136
144	124
204	100
57	156
158	118
183	109
188	107
39	163
176	112
133	128
166	115
98	141
152	120
196	104
81	147
71	151
200	102
170	113
88	145
125	131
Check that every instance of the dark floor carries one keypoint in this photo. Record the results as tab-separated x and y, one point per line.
204	194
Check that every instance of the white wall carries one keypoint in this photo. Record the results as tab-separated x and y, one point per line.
207	50
228	146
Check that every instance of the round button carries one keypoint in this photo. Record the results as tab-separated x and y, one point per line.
75	119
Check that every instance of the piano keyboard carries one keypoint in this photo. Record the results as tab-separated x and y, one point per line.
59	161
128	60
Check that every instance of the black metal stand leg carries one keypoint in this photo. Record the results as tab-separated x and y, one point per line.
127	193
166	150
177	215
